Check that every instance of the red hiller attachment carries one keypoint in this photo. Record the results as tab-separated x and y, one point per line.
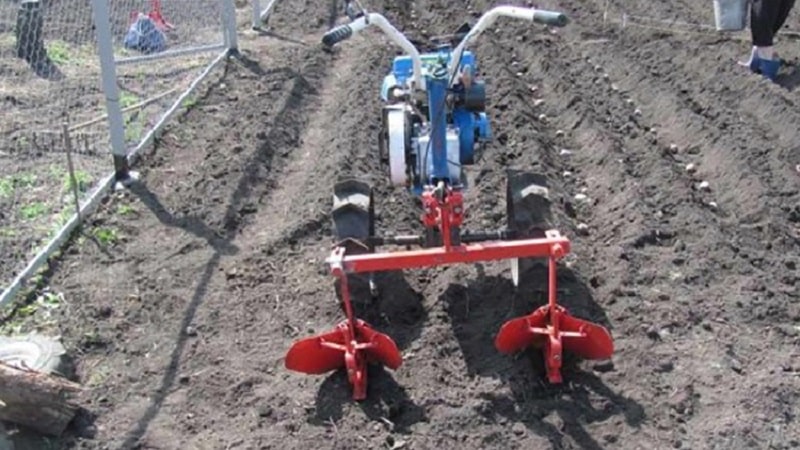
552	328
352	344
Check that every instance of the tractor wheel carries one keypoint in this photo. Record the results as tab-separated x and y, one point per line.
528	204
353	215
354	224
527	208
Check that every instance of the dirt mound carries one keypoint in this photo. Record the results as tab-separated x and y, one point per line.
183	324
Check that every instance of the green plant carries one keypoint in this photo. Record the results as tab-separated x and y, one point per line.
125	210
134	127
6	187
56	171
9	184
45	300
33	210
26	179
126	99
59	52
106	236
82	179
189	102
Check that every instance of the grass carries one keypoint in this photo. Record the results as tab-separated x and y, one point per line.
6	187
11	183
106	236
33	210
82	179
40	310
65	54
126	99
189	103
134	127
59	52
125	210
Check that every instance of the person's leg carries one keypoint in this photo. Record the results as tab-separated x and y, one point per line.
764	15
784	8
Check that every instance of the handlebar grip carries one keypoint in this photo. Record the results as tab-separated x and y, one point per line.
336	35
552	18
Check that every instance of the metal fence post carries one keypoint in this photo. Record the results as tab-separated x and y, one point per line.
229	25
116	124
256	14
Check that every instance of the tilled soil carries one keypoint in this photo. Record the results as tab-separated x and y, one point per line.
180	329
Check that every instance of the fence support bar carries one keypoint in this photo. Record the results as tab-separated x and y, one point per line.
264	14
171	53
261	15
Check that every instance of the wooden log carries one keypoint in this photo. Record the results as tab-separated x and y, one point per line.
43	403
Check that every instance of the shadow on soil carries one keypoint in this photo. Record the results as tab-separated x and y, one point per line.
386	400
791	80
479	310
263	156
189	224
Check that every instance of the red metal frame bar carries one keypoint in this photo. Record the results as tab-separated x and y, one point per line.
553	245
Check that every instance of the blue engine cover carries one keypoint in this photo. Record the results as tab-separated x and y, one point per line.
472	126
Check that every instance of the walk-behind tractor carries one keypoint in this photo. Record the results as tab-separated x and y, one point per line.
433	119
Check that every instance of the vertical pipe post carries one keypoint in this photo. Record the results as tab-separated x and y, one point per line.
116	125
256	14
229	25
437	93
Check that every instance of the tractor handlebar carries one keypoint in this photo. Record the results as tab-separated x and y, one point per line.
344	32
515	12
552	18
336	35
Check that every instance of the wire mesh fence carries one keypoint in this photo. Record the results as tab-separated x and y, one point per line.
48	75
159	48
107	72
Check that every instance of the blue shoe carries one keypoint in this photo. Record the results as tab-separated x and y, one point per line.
755	64
769	68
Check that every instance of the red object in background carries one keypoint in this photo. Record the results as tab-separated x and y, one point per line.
155	15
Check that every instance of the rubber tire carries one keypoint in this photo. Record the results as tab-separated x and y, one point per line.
36	352
528	209
352	219
528	205
354	223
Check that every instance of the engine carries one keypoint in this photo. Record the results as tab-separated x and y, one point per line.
409	121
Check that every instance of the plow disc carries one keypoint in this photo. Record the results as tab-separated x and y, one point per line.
347	348
555	333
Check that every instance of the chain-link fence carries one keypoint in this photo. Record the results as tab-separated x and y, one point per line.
111	73
48	75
